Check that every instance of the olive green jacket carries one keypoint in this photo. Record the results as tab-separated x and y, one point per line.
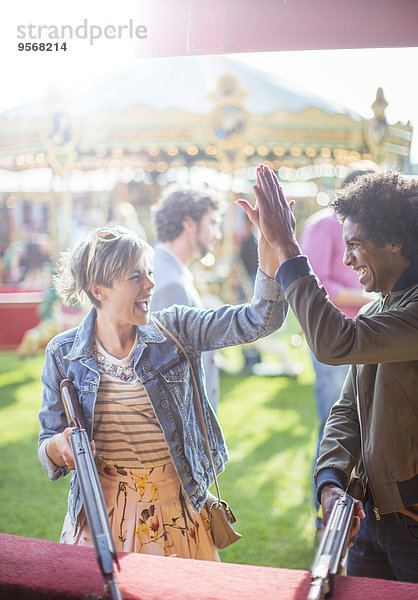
374	425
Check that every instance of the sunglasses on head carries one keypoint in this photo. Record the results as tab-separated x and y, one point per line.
104	234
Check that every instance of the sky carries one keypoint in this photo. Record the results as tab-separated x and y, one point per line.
350	77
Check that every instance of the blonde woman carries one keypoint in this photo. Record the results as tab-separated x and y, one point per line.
134	386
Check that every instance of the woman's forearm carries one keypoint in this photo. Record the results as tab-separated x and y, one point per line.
267	258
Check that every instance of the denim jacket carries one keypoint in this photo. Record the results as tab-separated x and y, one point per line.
163	370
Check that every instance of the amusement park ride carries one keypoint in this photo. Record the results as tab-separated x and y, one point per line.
184	112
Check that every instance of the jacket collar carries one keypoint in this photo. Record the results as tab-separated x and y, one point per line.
407	279
82	348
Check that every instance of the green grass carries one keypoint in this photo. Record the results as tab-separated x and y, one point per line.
32	506
270	427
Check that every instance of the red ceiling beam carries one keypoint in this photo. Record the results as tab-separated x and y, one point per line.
180	27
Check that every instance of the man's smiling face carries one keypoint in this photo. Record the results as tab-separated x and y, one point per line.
377	267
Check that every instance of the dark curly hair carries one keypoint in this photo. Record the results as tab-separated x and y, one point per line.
385	207
173	208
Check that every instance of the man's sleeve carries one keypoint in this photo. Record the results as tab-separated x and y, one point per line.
374	337
340	448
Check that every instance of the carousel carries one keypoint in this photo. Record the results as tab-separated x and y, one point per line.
68	163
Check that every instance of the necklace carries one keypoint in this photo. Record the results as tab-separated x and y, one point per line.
122	369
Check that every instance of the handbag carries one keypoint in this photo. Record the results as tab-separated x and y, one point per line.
221	517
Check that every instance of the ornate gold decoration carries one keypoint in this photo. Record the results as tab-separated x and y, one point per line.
59	137
375	131
229	124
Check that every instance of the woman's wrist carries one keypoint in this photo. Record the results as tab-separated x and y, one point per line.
268	259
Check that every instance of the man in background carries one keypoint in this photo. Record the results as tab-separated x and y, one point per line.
188	226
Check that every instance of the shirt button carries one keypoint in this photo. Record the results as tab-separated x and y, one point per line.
146	368
164	403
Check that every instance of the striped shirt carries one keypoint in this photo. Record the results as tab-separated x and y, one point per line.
126	430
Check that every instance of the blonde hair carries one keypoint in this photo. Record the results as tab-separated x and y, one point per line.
99	261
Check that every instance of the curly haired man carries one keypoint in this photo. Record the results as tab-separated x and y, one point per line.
373	427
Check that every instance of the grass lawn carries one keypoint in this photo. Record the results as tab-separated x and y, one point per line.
269	424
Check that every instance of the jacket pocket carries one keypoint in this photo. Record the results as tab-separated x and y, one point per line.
177	374
411	528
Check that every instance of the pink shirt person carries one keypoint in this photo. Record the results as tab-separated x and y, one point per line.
322	241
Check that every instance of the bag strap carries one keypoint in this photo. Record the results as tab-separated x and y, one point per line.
198	400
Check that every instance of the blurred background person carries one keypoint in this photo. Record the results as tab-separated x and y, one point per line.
32	264
187	224
125	214
248	258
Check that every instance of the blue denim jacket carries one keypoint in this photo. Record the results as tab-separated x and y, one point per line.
164	372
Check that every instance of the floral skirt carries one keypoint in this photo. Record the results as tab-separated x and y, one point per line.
148	513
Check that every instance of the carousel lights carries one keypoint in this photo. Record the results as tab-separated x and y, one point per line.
341	172
311	152
161	166
262	150
322	199
192	150
117	152
326	152
20	161
327	171
101	151
208	260
154	151
279	151
306	173
40	158
287	173
249	150
176	164
309	172
149	166
295	151
161	179
211	150
172	151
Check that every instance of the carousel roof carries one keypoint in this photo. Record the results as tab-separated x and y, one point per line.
185	83
211	110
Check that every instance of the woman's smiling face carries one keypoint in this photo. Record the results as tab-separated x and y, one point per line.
128	300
